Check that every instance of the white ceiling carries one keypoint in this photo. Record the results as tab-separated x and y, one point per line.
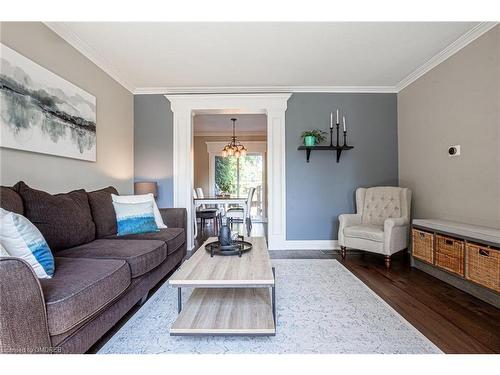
213	125
192	57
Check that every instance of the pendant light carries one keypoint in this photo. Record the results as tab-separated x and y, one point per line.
234	147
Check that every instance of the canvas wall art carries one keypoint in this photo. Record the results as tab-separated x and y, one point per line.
42	112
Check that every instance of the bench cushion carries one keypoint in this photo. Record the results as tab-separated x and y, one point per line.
174	238
80	288
141	256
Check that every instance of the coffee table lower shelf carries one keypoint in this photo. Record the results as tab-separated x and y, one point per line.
226	311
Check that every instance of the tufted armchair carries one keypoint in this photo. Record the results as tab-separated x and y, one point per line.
381	224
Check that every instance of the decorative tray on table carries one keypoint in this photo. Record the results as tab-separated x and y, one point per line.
236	247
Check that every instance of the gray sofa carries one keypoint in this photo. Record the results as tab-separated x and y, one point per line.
99	276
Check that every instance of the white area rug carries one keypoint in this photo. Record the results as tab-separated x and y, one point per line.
322	308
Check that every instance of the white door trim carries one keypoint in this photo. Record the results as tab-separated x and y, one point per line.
274	106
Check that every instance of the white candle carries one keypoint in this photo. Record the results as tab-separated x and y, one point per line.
343	120
337	116
331	120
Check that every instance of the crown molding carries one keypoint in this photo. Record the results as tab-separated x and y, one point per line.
449	51
85	49
226	134
260	89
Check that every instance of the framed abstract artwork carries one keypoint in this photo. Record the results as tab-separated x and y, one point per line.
42	112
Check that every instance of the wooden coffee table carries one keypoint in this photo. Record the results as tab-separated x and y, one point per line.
232	296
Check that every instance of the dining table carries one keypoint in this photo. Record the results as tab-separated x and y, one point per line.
218	201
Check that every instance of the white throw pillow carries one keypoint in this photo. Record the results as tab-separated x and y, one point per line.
3	252
135	218
21	239
141	199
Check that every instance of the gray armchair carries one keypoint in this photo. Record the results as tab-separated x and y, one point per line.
381	223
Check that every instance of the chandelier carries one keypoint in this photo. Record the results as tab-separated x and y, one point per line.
234	148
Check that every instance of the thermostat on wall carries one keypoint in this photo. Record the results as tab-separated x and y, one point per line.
454	150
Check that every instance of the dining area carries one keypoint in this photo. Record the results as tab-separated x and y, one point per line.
213	211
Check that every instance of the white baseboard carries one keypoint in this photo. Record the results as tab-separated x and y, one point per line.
307	245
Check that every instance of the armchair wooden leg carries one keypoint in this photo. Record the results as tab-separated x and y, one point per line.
343	251
388	261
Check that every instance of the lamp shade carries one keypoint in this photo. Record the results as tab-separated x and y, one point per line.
146	188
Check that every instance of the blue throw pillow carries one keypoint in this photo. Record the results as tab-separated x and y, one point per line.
135	218
21	239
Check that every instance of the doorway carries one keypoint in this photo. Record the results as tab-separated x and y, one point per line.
185	106
216	174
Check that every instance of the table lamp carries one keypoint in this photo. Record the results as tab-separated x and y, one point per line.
146	187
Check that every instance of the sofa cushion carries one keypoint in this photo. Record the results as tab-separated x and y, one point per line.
80	288
103	213
367	232
141	256
65	220
173	237
10	200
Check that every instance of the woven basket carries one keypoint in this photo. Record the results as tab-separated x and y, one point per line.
450	254
483	265
423	245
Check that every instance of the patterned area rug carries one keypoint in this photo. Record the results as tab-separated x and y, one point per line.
321	307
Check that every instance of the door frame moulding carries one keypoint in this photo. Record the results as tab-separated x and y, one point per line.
274	105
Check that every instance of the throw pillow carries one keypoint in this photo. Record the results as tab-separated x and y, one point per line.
3	252
21	239
141	199
103	212
65	219
135	218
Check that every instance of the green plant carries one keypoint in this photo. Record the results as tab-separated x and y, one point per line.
319	135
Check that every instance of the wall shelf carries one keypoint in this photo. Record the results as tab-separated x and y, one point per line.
338	149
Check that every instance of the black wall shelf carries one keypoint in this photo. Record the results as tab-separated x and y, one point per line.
339	150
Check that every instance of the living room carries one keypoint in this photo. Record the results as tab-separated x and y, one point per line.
251	188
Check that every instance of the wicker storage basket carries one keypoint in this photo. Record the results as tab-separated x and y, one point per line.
483	265
450	254
423	245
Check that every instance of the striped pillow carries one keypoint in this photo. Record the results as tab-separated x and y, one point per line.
135	218
21	239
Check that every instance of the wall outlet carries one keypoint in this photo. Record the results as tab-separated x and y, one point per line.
454	150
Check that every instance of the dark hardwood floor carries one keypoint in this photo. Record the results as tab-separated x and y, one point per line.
453	320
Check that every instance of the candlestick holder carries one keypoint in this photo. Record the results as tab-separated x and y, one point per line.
345	137
337	126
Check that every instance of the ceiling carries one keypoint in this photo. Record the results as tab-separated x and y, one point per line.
215	125
170	57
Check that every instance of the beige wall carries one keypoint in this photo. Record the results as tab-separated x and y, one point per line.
201	157
457	102
115	133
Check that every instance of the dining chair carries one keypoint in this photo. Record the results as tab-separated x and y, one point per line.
236	213
204	213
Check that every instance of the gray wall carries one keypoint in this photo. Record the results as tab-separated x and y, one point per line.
321	190
153	143
457	102
115	152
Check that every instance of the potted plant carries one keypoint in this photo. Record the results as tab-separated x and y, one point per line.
313	137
